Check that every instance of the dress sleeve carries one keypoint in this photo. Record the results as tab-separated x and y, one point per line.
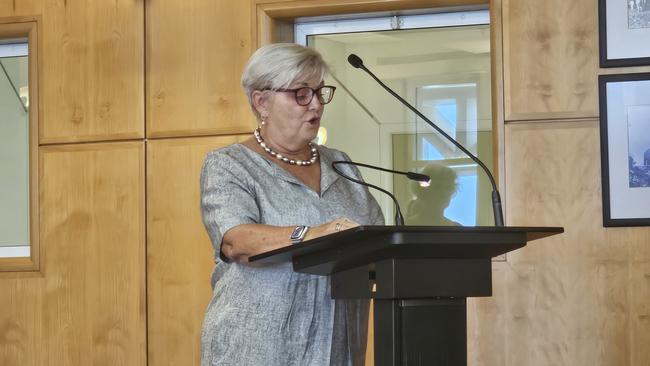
227	198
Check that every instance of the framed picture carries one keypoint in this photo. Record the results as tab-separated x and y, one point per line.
624	32
625	148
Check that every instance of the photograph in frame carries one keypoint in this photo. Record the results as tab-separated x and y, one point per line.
624	27
625	148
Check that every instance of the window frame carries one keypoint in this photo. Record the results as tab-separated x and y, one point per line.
304	29
28	27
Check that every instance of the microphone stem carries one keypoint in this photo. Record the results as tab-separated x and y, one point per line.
374	167
496	199
399	218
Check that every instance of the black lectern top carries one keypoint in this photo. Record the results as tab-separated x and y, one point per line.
368	244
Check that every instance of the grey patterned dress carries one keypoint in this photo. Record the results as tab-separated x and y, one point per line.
271	316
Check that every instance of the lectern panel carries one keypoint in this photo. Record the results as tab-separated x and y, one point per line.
427	278
415	279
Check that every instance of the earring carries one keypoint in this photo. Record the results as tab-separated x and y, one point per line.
263	118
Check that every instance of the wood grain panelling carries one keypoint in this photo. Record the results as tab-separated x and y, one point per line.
21	8
21	317
289	10
581	298
92	65
274	18
92	236
179	252
196	51
550	59
486	343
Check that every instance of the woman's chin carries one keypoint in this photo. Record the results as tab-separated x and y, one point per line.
312	130
312	138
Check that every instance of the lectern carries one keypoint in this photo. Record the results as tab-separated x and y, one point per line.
419	278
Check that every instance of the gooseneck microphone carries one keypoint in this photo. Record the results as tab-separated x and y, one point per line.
357	63
421	178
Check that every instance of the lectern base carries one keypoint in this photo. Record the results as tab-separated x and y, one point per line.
431	332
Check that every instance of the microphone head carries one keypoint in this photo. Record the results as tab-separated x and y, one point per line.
422	179
355	61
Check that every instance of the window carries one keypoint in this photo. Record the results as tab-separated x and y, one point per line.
440	63
18	147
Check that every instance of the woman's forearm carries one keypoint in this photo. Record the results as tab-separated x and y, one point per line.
244	241
247	240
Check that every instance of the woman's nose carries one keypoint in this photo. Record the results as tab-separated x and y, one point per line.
315	103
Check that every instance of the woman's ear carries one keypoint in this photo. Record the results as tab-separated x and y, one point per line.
260	101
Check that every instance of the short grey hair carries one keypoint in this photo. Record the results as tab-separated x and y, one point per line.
278	65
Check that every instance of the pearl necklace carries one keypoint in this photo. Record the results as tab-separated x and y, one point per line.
312	160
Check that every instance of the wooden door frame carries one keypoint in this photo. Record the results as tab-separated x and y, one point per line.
273	21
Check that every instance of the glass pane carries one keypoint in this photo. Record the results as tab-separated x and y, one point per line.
445	73
14	151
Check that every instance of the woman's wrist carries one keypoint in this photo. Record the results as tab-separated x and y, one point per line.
298	234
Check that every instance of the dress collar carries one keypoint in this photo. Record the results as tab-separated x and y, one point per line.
327	175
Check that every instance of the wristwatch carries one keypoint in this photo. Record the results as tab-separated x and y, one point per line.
298	234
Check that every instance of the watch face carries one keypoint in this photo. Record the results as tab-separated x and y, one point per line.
298	233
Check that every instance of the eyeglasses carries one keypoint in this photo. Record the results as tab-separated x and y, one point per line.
305	94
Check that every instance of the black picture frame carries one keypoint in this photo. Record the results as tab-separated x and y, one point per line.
636	198
643	57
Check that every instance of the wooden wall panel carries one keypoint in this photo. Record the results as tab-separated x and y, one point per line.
92	65
20	8
180	258
486	319
21	320
550	55
580	298
196	53
92	236
93	70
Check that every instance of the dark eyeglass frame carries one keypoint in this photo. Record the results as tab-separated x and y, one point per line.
313	92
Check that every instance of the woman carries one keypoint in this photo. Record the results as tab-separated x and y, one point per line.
270	191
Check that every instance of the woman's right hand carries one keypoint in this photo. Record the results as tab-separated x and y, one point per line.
340	224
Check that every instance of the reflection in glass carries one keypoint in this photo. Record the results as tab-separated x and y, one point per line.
14	150
428	204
